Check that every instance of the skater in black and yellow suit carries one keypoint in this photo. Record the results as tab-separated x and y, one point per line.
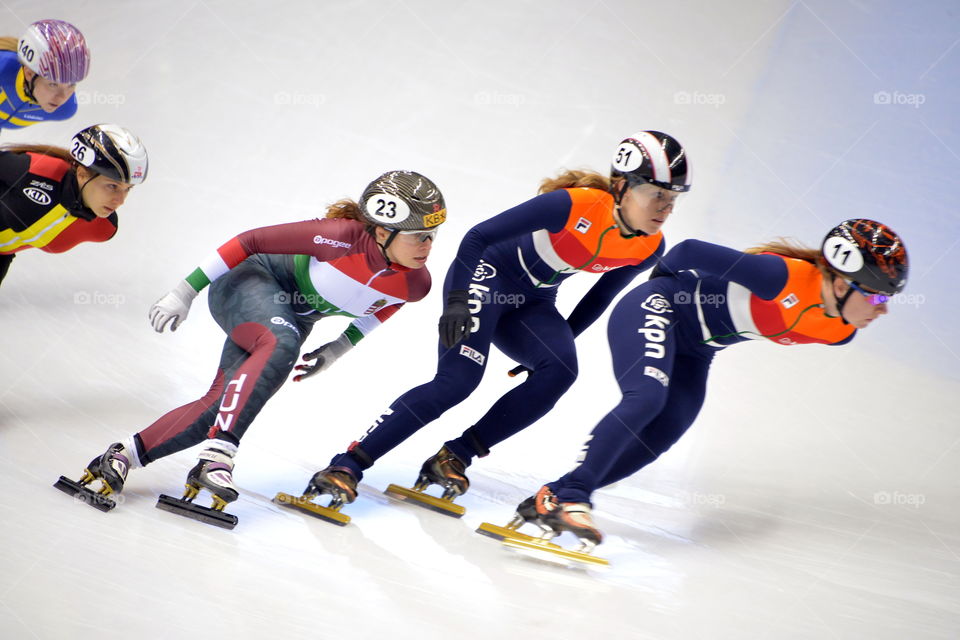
53	199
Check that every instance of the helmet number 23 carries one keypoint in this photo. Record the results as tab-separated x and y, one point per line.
386	208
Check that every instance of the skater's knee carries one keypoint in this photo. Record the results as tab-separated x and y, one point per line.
454	389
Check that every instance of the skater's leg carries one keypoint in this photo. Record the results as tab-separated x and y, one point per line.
5	260
688	386
538	337
643	345
459	371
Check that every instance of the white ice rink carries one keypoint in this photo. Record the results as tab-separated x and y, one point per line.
815	497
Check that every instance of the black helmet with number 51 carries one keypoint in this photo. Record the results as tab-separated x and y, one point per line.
650	157
403	201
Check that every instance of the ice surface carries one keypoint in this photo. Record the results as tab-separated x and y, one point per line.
814	498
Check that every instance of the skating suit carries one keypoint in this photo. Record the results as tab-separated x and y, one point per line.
663	336
40	207
511	265
16	109
269	286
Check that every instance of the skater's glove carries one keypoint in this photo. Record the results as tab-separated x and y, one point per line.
455	322
172	309
517	370
323	357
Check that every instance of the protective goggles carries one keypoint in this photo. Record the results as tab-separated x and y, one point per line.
873	298
420	235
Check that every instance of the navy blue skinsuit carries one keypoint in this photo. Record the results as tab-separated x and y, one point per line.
663	335
512	300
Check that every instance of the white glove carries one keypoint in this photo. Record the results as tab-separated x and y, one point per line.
172	308
324	356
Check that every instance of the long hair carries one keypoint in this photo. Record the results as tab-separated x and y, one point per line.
573	178
43	149
349	210
792	249
8	43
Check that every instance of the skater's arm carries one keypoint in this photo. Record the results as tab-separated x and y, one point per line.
324	239
763	275
548	211
600	295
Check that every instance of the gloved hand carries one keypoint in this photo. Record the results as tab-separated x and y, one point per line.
324	357
172	308
517	370
455	322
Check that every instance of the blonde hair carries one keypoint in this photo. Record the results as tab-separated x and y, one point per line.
792	249
573	178
42	149
8	43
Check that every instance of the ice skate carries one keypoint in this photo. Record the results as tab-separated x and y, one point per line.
527	513
213	472
110	469
444	469
555	518
338	482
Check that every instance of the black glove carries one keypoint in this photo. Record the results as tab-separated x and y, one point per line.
455	322
517	370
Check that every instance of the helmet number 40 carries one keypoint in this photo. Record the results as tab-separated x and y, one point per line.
26	51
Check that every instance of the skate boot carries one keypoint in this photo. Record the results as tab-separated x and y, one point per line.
110	469
213	472
444	469
552	517
574	517
528	511
338	482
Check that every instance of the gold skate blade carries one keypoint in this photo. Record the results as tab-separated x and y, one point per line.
497	532
552	552
446	507
312	508
207	515
81	493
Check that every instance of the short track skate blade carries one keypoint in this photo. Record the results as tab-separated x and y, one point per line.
446	507
196	512
83	494
551	552
312	508
497	532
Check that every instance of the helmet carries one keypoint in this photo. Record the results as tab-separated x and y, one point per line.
403	201
55	50
654	157
868	253
111	151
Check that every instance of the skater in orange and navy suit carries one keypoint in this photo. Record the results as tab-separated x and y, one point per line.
663	336
501	289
